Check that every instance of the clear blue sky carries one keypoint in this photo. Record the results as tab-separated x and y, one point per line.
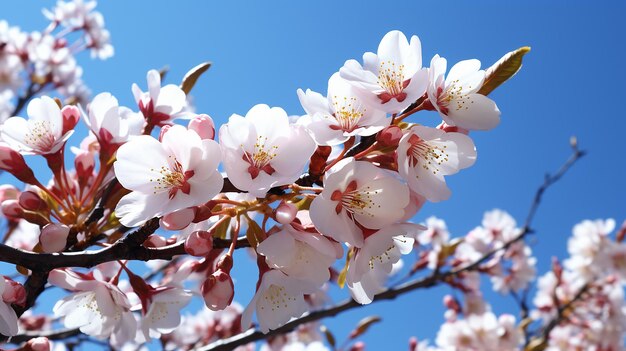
571	84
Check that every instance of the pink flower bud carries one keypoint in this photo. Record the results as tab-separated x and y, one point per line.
358	346
286	212
155	240
13	162
84	164
39	344
14	292
451	129
451	303
179	219
390	136
203	125
12	209
30	200
199	243
53	237
218	290
8	192
71	115
164	130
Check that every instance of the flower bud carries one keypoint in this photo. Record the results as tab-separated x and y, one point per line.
164	129
390	136
71	115
203	125
13	162
179	219
13	292
84	164
53	237
38	344
199	243
358	346
12	210
218	290
30	201
286	212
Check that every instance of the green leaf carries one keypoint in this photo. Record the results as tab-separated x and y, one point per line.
363	326
190	79
502	70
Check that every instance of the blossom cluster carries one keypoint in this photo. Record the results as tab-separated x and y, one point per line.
324	198
40	62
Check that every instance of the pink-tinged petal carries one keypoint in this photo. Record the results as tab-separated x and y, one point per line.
465	149
323	129
388	198
106	305
67	280
478	113
317	242
184	145
431	186
154	84
171	100
335	225
462	70
139	163
278	248
392	47
313	102
137	93
14	131
371	62
236	132
360	78
46	109
300	145
136	208
366	287
8	320
269	122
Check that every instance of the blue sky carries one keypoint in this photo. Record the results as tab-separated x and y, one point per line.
571	84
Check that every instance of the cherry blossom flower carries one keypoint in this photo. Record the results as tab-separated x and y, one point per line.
278	299
263	150
342	114
97	307
456	97
109	122
300	254
178	172
162	311
373	262
393	78
358	195
41	134
8	318
160	105
426	155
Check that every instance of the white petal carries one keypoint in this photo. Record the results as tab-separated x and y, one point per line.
478	113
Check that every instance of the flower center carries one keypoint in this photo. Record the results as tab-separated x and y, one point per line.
260	157
172	179
453	96
40	136
391	79
277	298
354	200
426	155
348	113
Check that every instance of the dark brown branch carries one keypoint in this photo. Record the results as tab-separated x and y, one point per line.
430	281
